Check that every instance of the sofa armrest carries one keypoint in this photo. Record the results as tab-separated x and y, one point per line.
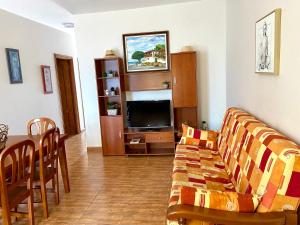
182	212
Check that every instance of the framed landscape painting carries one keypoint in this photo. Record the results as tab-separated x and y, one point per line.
14	65
268	43
146	51
47	81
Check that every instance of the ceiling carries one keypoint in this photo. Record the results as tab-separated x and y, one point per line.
92	6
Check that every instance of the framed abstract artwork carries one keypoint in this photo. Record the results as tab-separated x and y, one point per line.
14	66
267	42
146	51
47	81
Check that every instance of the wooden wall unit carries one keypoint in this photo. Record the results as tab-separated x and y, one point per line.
184	89
184	79
183	84
112	126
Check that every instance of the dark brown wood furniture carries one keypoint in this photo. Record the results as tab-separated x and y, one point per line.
151	142
112	126
48	166
213	216
181	81
13	139
39	125
16	178
184	89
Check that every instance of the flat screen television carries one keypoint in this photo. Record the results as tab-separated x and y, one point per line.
149	114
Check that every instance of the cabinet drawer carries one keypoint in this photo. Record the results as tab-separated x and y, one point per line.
160	137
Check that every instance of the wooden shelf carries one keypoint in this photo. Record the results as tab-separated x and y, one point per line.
109	96
139	131
107	78
149	89
147	81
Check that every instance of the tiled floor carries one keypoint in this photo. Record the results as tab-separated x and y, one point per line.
110	190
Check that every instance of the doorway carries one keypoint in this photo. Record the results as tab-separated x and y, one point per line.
66	82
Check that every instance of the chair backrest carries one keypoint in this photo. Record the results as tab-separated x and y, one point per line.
48	148
16	167
41	125
260	160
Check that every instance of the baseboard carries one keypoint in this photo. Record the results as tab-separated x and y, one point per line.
97	148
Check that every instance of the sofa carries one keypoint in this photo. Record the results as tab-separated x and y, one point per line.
250	176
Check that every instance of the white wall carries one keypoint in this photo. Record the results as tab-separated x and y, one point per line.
274	99
200	24
37	44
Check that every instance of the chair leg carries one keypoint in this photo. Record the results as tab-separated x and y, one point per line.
6	219
16	210
30	209
57	187
44	199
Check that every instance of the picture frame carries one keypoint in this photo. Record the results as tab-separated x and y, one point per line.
144	52
47	81
267	43
14	66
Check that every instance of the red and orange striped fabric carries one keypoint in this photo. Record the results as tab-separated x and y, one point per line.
251	158
201	138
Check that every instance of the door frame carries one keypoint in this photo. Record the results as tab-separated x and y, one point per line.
73	86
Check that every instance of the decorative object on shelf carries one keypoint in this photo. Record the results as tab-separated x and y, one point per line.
135	141
146	51
3	135
112	108
104	74
14	66
268	43
166	84
187	48
115	73
204	125
47	81
110	54
112	91
117	91
110	74
106	92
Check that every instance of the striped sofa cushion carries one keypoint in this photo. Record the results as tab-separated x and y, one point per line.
260	160
197	167
220	200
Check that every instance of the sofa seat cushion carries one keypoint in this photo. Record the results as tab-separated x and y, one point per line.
220	200
198	167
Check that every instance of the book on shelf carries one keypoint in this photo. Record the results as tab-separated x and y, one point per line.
135	141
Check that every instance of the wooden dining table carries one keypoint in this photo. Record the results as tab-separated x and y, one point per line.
13	139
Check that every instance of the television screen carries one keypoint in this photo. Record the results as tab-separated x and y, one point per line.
149	114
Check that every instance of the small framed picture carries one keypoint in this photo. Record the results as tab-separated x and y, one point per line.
14	66
47	81
268	43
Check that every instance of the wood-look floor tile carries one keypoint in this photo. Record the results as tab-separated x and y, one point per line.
110	190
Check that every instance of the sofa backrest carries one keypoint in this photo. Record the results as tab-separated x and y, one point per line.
260	160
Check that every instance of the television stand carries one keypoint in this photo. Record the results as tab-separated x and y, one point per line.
152	142
150	129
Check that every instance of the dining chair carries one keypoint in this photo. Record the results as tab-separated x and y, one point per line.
48	166
16	179
41	125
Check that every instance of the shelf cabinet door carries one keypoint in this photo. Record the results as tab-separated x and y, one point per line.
112	135
184	79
